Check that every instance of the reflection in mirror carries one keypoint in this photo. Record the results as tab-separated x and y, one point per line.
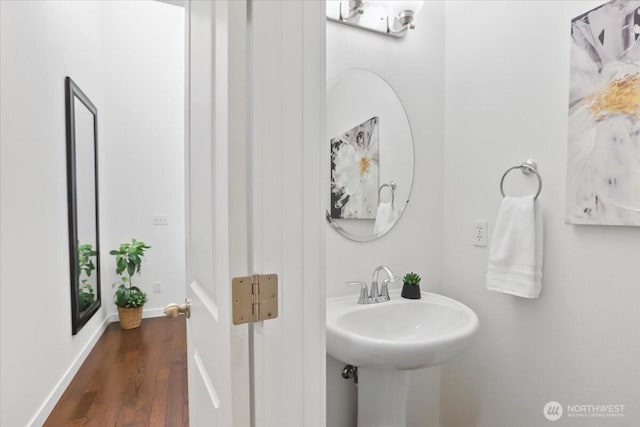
371	149
354	172
81	118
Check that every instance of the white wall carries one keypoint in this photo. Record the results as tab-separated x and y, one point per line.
142	145
413	66
507	74
41	43
39	47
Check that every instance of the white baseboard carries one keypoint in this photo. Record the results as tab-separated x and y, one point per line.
152	312
50	402
45	409
147	313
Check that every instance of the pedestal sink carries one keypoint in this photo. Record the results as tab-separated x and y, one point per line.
386	340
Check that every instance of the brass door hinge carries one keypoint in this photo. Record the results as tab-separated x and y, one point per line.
255	298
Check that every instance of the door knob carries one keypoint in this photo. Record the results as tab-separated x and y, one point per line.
174	310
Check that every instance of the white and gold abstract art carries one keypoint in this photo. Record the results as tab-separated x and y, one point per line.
603	173
354	172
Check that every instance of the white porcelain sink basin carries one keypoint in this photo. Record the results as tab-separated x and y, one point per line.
398	334
387	339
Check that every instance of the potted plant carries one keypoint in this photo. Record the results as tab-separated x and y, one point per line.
411	286
86	266
129	298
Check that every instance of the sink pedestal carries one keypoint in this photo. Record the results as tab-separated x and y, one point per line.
382	397
387	341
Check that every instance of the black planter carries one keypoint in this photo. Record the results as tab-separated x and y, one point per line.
411	291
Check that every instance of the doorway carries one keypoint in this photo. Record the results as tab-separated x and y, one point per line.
128	57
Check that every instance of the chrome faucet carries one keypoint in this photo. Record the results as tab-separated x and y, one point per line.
383	295
375	296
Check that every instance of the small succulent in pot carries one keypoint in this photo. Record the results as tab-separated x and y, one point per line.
411	287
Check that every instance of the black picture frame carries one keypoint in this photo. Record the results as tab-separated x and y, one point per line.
80	317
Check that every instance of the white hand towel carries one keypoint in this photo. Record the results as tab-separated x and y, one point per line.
515	259
384	218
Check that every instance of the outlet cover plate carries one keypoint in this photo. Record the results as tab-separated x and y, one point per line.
479	233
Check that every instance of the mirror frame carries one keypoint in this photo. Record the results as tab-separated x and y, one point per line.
72	92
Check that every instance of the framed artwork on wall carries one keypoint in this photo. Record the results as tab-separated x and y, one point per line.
603	171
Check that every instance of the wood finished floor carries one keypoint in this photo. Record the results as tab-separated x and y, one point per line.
130	378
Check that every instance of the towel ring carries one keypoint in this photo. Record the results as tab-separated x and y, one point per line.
391	186
528	167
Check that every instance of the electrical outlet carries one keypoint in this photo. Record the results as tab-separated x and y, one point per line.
156	287
480	231
160	219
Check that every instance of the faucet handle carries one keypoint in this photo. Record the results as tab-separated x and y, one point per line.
363	298
384	291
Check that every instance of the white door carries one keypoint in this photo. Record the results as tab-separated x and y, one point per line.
255	128
287	72
217	351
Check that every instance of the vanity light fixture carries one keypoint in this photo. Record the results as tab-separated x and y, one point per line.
393	18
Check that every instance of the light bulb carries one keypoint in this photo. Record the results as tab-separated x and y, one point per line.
397	6
377	3
379	6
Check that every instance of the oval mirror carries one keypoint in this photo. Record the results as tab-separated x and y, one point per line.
371	155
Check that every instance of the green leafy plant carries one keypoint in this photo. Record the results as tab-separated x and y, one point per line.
129	257
86	298
85	267
411	279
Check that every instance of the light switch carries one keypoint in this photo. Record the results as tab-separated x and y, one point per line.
160	219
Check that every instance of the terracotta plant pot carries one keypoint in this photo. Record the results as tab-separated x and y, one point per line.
130	318
411	291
